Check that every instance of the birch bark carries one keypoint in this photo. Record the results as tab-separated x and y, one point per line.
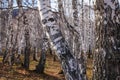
49	21
107	48
78	41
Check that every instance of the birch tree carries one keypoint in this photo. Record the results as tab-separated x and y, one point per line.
19	38
107	48
27	43
41	65
49	21
9	35
0	26
77	41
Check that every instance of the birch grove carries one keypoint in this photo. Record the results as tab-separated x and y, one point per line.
60	39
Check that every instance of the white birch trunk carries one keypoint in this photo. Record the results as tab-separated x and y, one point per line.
78	41
8	54
49	21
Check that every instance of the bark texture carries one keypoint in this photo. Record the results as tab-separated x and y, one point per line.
8	55
49	21
27	41
41	65
107	49
77	41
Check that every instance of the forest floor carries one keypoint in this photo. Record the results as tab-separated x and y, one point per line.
52	69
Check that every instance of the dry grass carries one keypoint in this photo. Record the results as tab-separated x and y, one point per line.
89	69
18	73
51	71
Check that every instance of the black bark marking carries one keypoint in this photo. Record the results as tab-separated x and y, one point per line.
58	41
51	19
44	21
56	36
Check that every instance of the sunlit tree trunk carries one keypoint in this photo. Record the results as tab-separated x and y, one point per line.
35	53
8	55
10	33
49	21
75	22
107	48
20	23
90	35
77	40
19	28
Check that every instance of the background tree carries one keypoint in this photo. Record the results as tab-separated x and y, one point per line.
9	35
27	43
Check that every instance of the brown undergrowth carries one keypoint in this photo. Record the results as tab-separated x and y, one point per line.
51	71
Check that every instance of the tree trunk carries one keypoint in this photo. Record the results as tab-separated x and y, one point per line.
19	28
27	47
41	65
107	48
77	41
0	27
26	58
49	21
35	53
9	55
